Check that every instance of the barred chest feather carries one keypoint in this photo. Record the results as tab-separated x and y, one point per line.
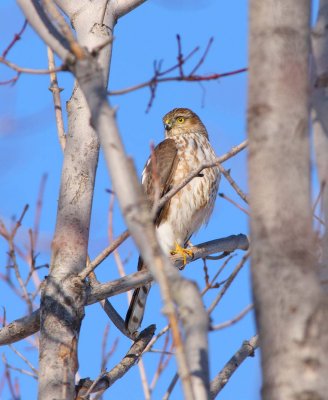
192	206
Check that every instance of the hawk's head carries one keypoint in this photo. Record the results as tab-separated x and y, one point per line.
182	121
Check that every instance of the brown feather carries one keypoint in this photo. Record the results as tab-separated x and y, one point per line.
166	160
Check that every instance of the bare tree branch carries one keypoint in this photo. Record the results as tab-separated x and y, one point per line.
247	350
228	177
104	254
228	283
109	378
26	326
234	320
20	328
55	90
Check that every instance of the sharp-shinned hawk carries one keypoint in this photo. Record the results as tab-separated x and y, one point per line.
186	147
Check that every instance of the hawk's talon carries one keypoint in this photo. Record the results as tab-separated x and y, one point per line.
183	253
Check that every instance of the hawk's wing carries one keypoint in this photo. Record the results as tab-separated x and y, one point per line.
159	170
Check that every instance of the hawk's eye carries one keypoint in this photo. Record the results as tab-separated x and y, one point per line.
180	120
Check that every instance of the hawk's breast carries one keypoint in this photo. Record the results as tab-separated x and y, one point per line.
192	206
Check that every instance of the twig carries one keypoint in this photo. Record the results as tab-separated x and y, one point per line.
178	78
234	320
210	285
26	361
171	387
12	255
203	57
39	203
15	39
11	387
113	315
155	338
206	276
54	88
233	183
162	363
228	283
121	368
247	350
32	71
161	76
11	81
180	57
19	222
104	254
225	197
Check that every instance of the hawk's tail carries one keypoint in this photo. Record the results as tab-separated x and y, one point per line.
137	306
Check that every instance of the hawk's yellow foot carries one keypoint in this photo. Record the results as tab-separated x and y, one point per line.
182	252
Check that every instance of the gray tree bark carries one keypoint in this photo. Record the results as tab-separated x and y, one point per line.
291	308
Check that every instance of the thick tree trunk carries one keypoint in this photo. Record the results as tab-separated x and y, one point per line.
291	310
62	303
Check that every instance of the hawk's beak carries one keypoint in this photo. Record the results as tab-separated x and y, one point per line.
167	124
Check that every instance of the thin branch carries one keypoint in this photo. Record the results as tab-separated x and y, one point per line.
233	183
26	326
26	361
55	90
234	320
178	78
32	71
163	361
15	39
212	283
155	338
109	378
180	57
171	387
225	197
247	350
228	283
104	254
203	57
113	315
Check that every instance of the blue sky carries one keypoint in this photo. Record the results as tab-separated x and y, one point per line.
29	149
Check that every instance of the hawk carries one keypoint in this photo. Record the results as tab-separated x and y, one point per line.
186	147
